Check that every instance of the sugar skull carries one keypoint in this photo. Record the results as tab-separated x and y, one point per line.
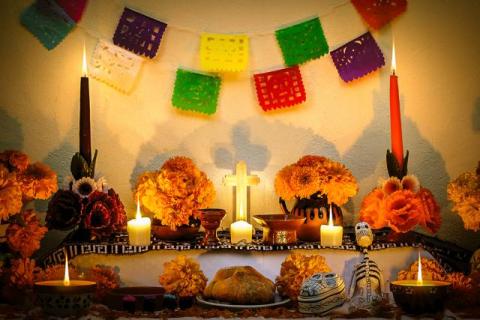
363	234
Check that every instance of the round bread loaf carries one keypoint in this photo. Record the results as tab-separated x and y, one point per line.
240	285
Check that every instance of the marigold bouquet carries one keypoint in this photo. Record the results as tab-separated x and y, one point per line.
22	181
464	192
401	205
295	269
175	193
182	276
316	174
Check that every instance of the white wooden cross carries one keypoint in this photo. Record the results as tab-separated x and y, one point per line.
241	181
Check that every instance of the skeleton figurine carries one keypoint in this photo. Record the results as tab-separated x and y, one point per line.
367	280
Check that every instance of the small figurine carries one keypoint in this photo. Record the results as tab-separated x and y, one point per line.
321	293
475	261
367	279
363	234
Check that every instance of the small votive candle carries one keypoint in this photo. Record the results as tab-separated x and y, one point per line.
139	229
241	231
330	235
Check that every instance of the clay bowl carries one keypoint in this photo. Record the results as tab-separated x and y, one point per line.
417	299
147	299
279	228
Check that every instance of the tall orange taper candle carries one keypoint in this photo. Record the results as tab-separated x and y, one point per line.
395	116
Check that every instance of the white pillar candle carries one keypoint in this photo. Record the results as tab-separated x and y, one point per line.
330	235
241	231
139	229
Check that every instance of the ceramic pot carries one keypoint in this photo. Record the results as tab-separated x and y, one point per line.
315	211
210	220
185	302
182	232
148	299
279	228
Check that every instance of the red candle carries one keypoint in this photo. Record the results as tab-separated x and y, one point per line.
395	116
85	138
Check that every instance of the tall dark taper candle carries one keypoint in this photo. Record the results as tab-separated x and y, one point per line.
85	137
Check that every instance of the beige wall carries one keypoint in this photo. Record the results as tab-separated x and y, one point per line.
437	53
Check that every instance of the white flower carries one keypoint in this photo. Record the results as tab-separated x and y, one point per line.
411	183
102	184
84	186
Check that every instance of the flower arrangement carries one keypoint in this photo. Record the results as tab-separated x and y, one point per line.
182	276
22	181
175	193
401	205
23	273
295	269
464	192
316	175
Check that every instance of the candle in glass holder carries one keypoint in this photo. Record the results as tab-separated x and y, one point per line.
330	235
139	229
65	297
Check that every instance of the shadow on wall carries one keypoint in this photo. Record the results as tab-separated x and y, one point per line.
10	132
476	116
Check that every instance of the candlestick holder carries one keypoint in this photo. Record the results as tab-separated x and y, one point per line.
210	220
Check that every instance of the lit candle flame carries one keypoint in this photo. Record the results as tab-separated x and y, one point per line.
394	59
139	214
330	218
84	62
66	278
419	275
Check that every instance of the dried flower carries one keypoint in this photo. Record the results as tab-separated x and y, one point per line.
182	276
176	192
410	182
10	194
85	186
14	160
64	210
372	210
104	214
106	277
464	192
391	185
38	181
402	210
316	174
26	239
295	269
23	273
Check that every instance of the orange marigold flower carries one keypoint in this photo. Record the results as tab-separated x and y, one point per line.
391	185
23	273
10	194
182	276
39	181
402	210
339	184
57	272
430	219
25	239
372	210
312	161
295	269
282	183
464	192
106	277
176	192
14	160
431	270
304	181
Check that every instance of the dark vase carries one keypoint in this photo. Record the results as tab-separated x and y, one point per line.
315	211
186	302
